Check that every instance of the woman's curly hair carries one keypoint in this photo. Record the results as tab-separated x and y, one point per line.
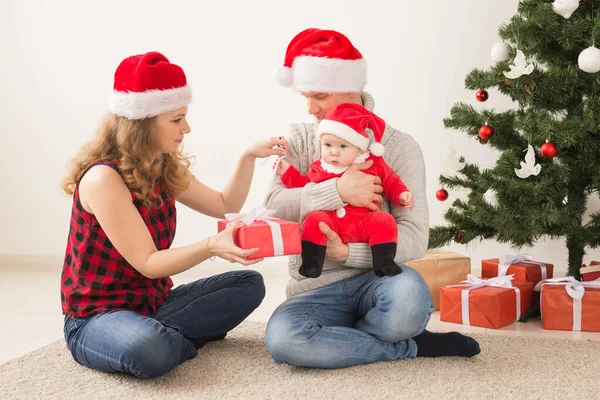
131	145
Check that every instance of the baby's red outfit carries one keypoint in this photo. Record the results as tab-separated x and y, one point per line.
359	224
349	122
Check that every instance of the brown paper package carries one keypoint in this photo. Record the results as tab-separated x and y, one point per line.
440	268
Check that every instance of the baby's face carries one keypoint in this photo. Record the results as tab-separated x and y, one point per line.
338	152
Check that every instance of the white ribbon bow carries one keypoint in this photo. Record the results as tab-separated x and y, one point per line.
474	282
261	213
508	259
576	291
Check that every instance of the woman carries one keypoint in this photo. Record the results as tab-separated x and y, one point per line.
121	312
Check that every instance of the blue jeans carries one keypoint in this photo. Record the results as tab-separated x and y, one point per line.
125	341
355	321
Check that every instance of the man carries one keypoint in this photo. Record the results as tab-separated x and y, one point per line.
348	316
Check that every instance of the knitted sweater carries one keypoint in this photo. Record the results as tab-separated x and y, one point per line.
402	153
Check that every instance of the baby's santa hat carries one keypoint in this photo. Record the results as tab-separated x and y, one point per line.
349	121
146	85
318	60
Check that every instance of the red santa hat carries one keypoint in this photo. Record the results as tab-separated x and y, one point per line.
350	121
319	60
147	85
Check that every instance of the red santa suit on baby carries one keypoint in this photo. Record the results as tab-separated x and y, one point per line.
353	224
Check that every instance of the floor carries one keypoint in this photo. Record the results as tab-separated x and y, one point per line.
31	315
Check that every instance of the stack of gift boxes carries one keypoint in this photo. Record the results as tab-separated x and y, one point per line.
514	285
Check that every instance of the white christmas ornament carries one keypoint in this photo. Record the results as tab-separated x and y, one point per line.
452	161
565	200
520	67
500	52
529	167
490	197
589	60
565	8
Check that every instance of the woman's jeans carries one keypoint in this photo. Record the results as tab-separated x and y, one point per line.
125	341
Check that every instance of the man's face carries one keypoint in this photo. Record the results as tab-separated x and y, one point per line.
319	103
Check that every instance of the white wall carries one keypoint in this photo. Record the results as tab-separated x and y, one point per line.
58	58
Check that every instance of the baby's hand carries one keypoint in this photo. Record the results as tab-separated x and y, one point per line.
282	167
407	200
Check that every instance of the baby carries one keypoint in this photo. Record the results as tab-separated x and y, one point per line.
344	141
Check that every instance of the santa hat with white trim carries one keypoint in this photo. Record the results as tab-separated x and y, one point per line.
146	85
350	121
319	60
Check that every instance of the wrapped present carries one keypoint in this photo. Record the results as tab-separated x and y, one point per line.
274	237
520	265
591	272
440	268
488	303
570	305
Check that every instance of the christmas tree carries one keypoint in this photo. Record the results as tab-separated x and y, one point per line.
549	144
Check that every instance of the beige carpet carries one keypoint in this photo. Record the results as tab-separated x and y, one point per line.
240	368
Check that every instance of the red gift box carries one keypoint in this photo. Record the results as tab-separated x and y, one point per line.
520	266
570	305
590	273
491	303
273	236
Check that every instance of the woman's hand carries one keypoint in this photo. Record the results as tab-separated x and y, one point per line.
274	146
221	245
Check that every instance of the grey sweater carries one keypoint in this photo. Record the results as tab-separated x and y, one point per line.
404	156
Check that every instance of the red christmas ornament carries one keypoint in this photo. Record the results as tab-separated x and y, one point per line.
481	95
442	195
486	132
508	82
548	149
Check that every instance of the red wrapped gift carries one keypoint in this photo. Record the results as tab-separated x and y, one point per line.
590	273
273	236
570	305
489	303
519	265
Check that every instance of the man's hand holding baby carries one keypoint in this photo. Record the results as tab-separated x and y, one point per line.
359	189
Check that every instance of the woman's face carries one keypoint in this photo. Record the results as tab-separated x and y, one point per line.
171	127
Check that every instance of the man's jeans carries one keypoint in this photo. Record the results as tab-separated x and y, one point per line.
355	321
125	341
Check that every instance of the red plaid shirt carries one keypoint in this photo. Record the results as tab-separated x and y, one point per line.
96	277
